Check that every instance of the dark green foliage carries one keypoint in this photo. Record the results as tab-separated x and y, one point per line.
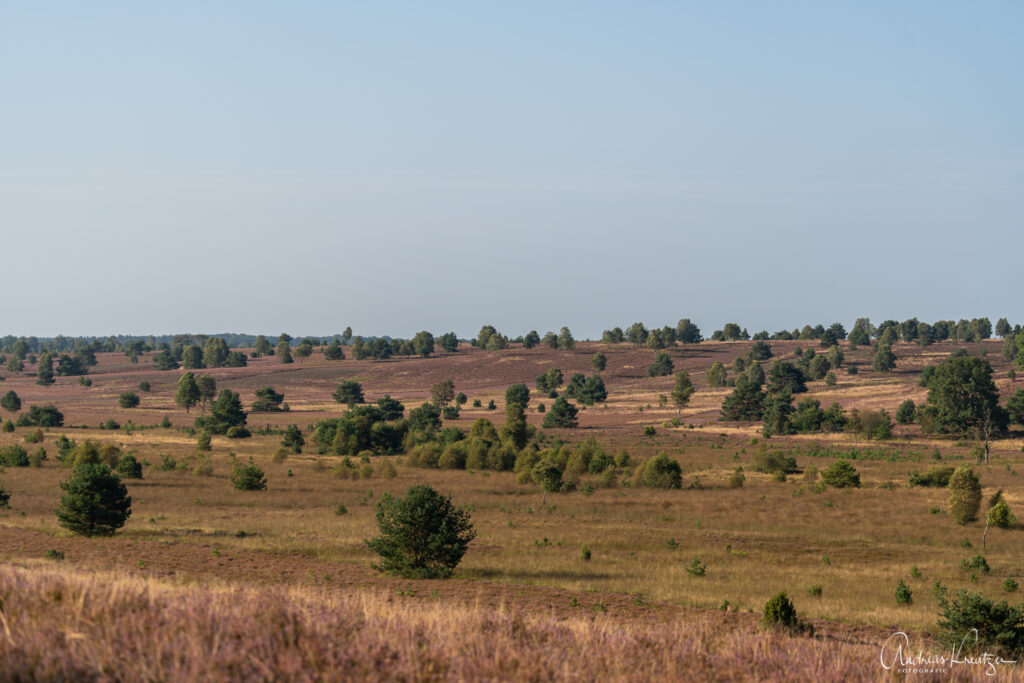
69	366
333	351
516	430
267	400
95	503
425	418
778	408
392	408
10	402
550	380
215	352
128	399
783	376
41	416
1014	407
14	456
238	432
841	474
423	343
5	500
449	342
662	472
518	394
165	360
687	332
248	477
760	351
599	361
422	535
565	339
884	360
561	415
586	390
999	626
293	439
745	403
129	467
937	477
144	386
906	413
964	397
779	613
349	392
44	373
808	416
226	412
363	428
904	596
661	366
192	357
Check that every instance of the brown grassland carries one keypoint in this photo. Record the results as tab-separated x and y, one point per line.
195	542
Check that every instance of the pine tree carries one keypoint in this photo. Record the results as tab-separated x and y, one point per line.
96	502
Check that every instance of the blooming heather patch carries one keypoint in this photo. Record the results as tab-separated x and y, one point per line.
97	626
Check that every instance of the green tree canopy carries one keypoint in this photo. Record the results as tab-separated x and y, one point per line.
422	535
350	392
95	503
187	393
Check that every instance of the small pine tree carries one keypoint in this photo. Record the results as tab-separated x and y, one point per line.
422	535
96	502
248	477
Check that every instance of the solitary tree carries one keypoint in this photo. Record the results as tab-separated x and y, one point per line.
885	359
682	390
128	399
661	366
964	495
226	412
267	400
531	339
518	394
215	352
95	503
187	394
599	361
11	402
293	439
565	339
333	351
422	535
304	350
350	392
45	370
423	343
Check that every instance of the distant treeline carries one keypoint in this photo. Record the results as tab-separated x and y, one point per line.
684	332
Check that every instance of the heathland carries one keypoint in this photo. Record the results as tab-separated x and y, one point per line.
599	575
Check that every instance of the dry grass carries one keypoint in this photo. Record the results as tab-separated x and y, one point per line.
758	539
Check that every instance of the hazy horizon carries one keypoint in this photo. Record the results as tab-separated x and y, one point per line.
403	167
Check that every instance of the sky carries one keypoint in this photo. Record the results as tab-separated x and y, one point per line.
391	166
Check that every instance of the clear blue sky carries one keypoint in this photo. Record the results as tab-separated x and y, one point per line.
259	167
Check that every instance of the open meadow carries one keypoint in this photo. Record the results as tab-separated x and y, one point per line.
606	568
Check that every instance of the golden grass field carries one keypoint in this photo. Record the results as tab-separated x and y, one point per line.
766	536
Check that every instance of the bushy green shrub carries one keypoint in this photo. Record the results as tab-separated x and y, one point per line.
779	613
841	474
248	477
981	623
904	596
129	467
935	477
662	472
770	462
14	456
964	495
95	503
422	535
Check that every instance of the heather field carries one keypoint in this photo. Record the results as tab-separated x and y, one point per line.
208	582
